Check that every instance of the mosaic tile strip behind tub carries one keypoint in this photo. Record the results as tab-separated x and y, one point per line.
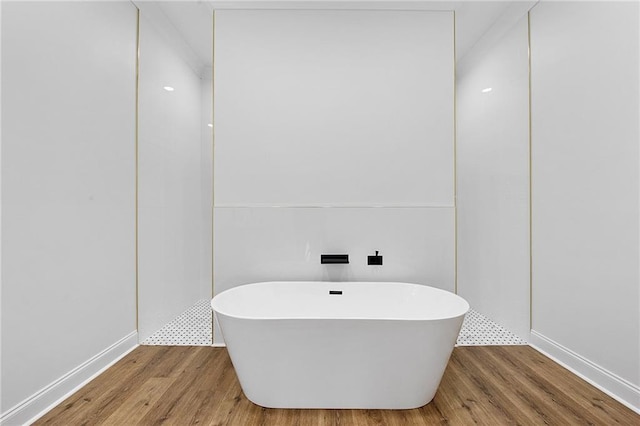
478	330
191	328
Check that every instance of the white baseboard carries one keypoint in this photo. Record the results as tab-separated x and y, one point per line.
618	388
38	404
219	345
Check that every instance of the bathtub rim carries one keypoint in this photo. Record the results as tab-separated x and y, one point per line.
355	318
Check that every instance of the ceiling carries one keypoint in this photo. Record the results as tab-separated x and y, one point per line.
188	24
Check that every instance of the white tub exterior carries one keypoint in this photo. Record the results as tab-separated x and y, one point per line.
378	345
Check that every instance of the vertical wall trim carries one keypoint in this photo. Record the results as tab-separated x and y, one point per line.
136	157
213	147
530	181
455	162
0	201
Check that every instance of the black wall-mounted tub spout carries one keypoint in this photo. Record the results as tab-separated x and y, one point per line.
334	258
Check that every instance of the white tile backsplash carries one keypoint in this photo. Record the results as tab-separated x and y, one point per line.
262	244
285	244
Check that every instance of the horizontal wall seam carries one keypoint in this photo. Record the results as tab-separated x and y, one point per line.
339	206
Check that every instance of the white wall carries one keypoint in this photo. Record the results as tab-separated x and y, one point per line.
206	174
271	244
335	141
68	215
359	115
493	179
1	405
585	119
172	225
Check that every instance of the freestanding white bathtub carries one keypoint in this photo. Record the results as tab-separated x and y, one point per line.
376	345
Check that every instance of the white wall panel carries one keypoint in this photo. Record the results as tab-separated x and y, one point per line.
171	219
272	244
585	110
68	188
333	107
493	181
206	175
348	110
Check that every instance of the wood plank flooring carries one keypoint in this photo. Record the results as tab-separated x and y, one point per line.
486	385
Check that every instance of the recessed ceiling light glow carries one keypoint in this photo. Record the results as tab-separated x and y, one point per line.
487	90
210	125
168	88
